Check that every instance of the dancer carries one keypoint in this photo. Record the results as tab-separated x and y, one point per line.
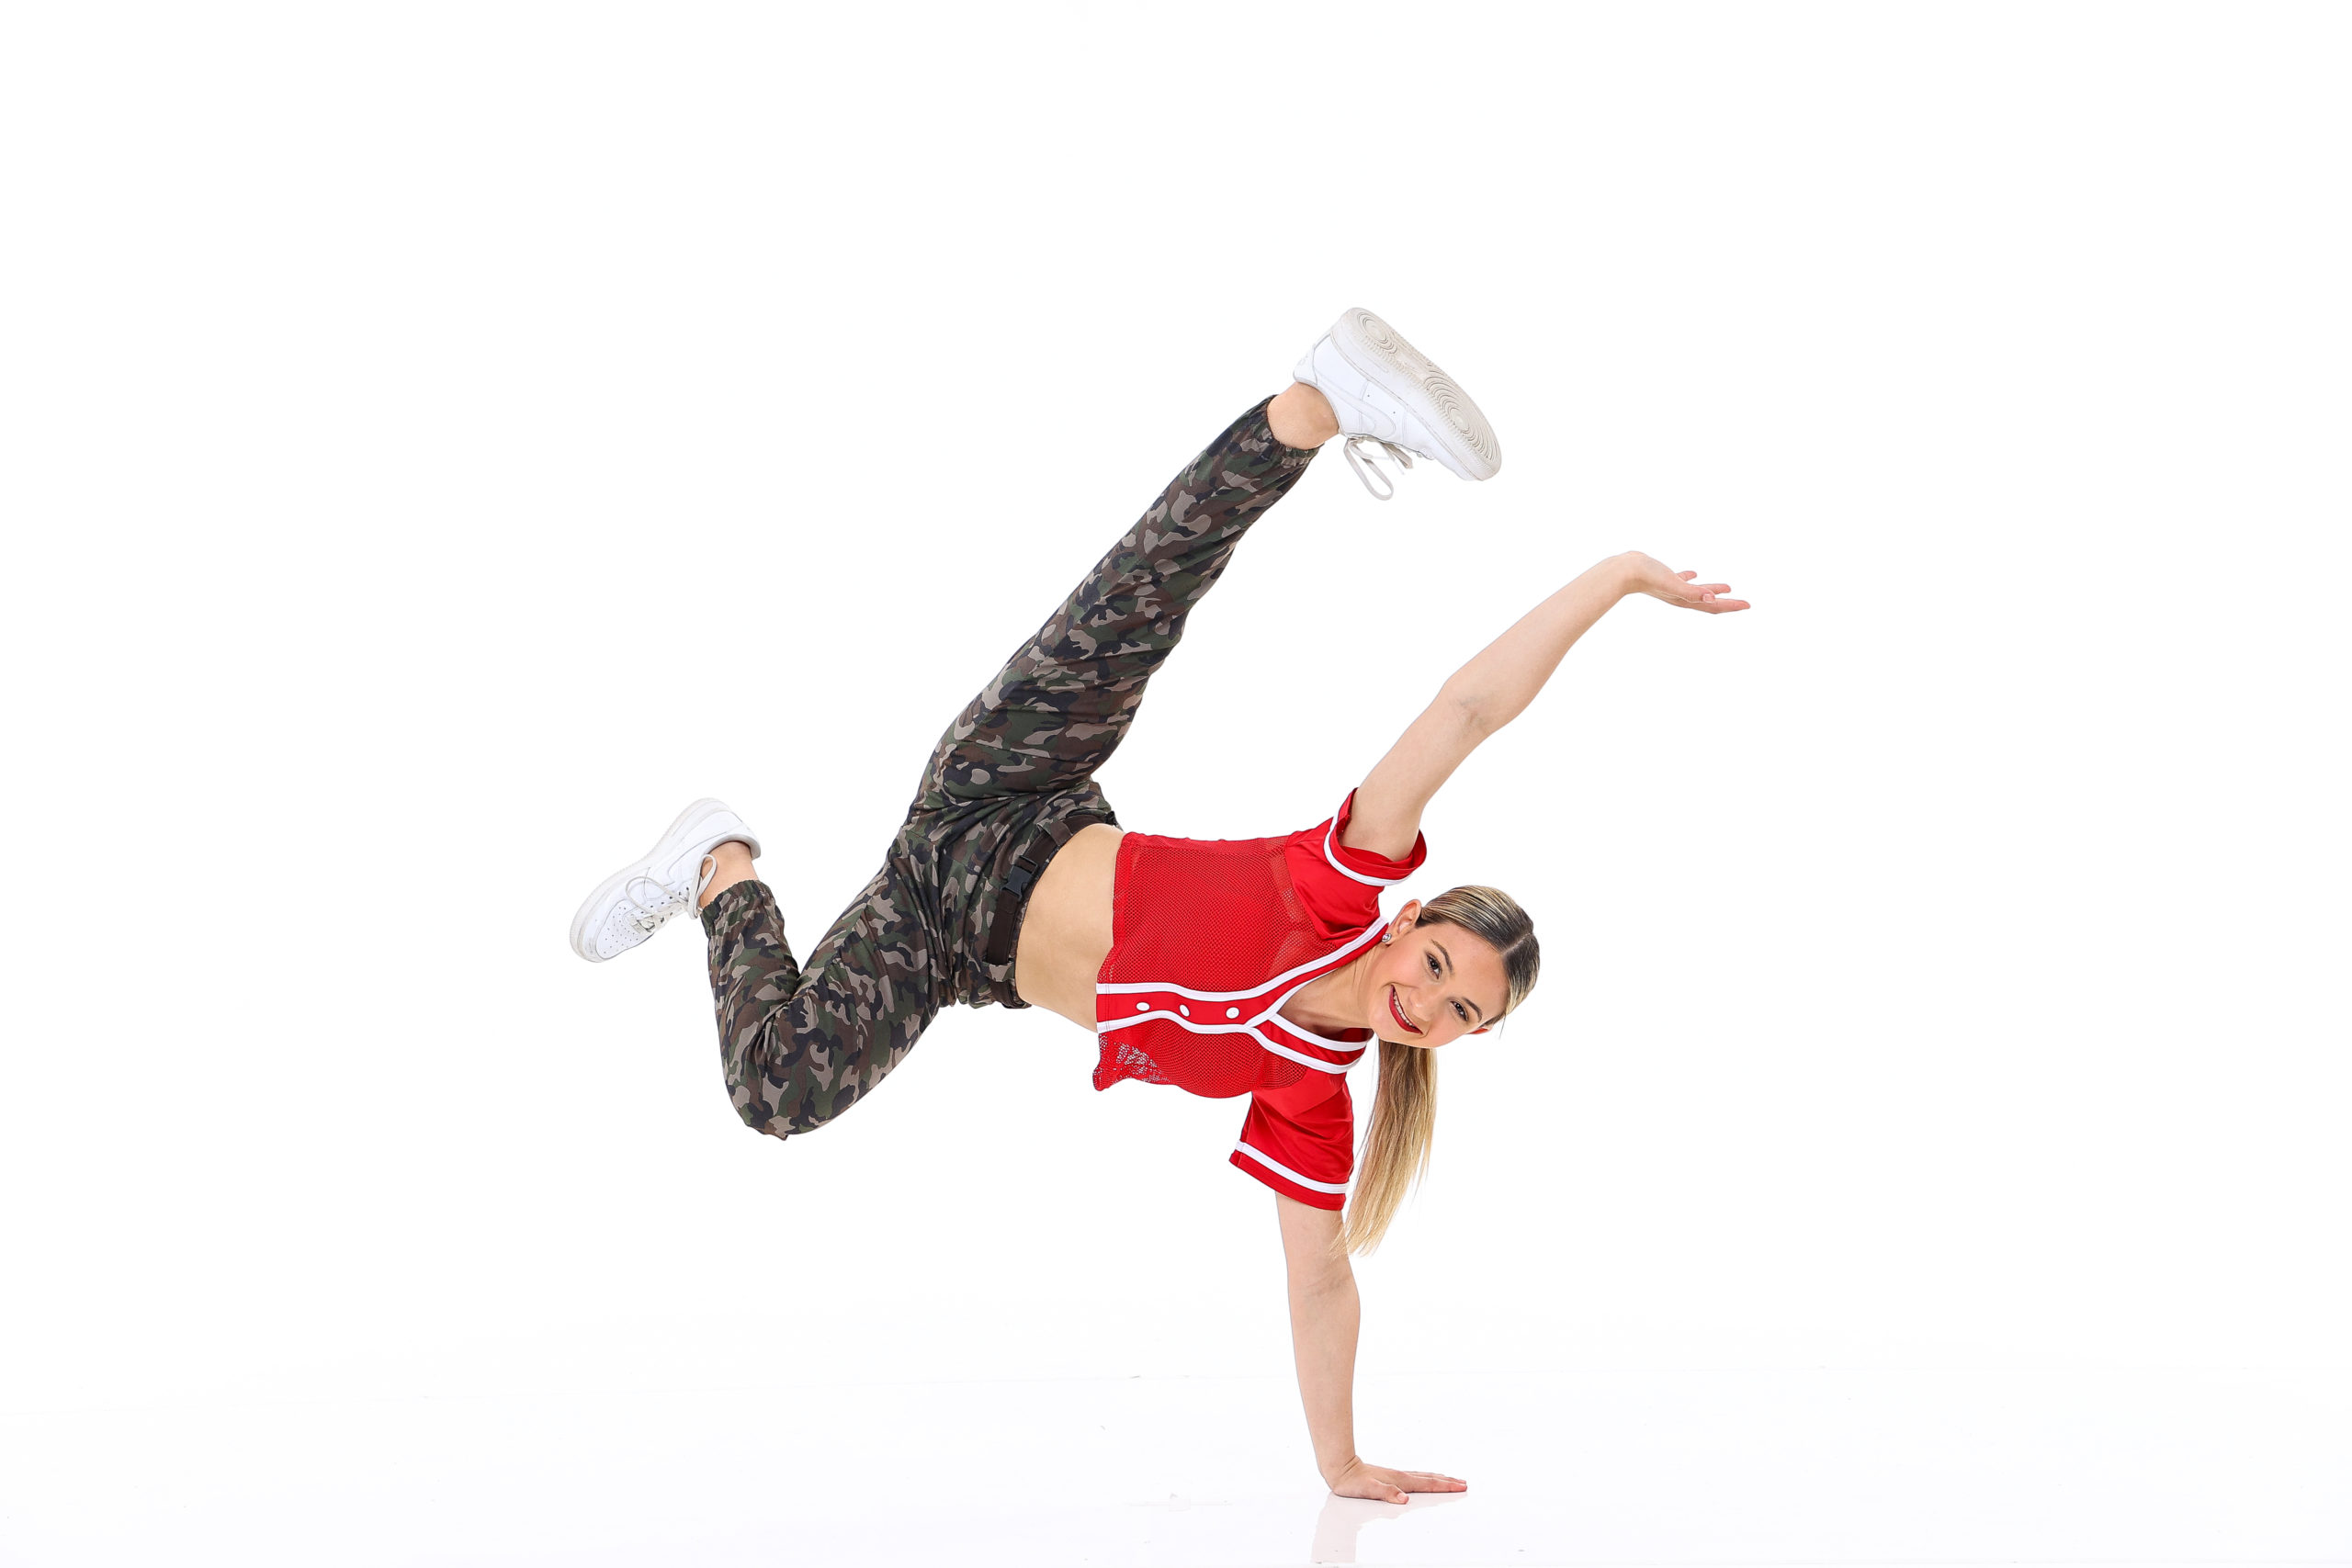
1259	967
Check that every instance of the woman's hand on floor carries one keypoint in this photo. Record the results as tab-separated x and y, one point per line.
1385	1486
1647	574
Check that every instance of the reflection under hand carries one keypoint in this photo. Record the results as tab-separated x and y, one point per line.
1343	1518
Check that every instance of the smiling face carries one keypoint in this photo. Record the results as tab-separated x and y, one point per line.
1434	983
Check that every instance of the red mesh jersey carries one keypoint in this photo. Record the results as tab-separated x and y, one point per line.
1209	938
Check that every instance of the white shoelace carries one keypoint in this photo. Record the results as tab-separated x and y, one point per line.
672	902
1367	465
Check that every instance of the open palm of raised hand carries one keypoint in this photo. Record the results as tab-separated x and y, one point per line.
1648	575
1385	1486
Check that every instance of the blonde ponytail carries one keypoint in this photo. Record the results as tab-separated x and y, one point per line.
1404	1112
1397	1144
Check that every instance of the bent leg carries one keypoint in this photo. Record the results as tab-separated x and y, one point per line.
801	1048
1060	707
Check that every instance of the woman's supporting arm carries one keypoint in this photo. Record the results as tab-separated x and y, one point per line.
1324	1314
1495	687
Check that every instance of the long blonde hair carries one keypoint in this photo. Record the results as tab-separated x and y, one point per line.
1404	1113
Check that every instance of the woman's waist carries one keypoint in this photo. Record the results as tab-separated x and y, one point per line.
1066	932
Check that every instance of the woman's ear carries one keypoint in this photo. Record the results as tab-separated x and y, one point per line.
1407	917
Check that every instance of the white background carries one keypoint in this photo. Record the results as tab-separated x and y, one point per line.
441	441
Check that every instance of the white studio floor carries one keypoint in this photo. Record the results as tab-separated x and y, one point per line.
1686	1467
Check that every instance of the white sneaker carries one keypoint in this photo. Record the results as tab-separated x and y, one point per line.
1384	390
640	899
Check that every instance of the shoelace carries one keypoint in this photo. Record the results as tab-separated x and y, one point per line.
672	902
1367	465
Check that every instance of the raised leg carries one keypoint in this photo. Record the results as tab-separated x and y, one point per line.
1062	703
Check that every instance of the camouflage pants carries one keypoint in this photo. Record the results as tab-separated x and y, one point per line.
800	1047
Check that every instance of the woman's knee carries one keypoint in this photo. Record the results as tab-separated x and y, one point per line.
773	1126
764	1103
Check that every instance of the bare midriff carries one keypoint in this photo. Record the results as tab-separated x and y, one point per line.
1066	932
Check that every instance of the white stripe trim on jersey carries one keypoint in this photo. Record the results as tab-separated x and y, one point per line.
1286	1173
1330	839
1274	1015
1128	988
1316	1062
1249	1029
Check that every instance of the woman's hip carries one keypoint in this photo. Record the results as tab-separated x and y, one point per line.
977	863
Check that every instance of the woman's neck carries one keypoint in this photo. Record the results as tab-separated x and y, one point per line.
1333	1003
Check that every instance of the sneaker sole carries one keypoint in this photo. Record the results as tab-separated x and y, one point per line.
1380	352
692	817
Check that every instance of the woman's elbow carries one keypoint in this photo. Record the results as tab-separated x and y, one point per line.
1473	710
1321	1273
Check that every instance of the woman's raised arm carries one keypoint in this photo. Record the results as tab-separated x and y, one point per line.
1495	687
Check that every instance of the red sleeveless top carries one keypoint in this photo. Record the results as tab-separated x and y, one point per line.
1209	938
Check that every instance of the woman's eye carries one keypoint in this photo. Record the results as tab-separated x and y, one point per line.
1460	1014
1432	962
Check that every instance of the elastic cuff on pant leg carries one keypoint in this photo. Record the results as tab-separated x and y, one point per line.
1255	426
736	906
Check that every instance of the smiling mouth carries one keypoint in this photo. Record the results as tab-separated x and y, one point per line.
1397	1011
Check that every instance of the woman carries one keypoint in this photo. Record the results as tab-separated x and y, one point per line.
1259	967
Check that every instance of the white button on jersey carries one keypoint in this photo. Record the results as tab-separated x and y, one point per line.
1143	1006
1182	1009
1233	1012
